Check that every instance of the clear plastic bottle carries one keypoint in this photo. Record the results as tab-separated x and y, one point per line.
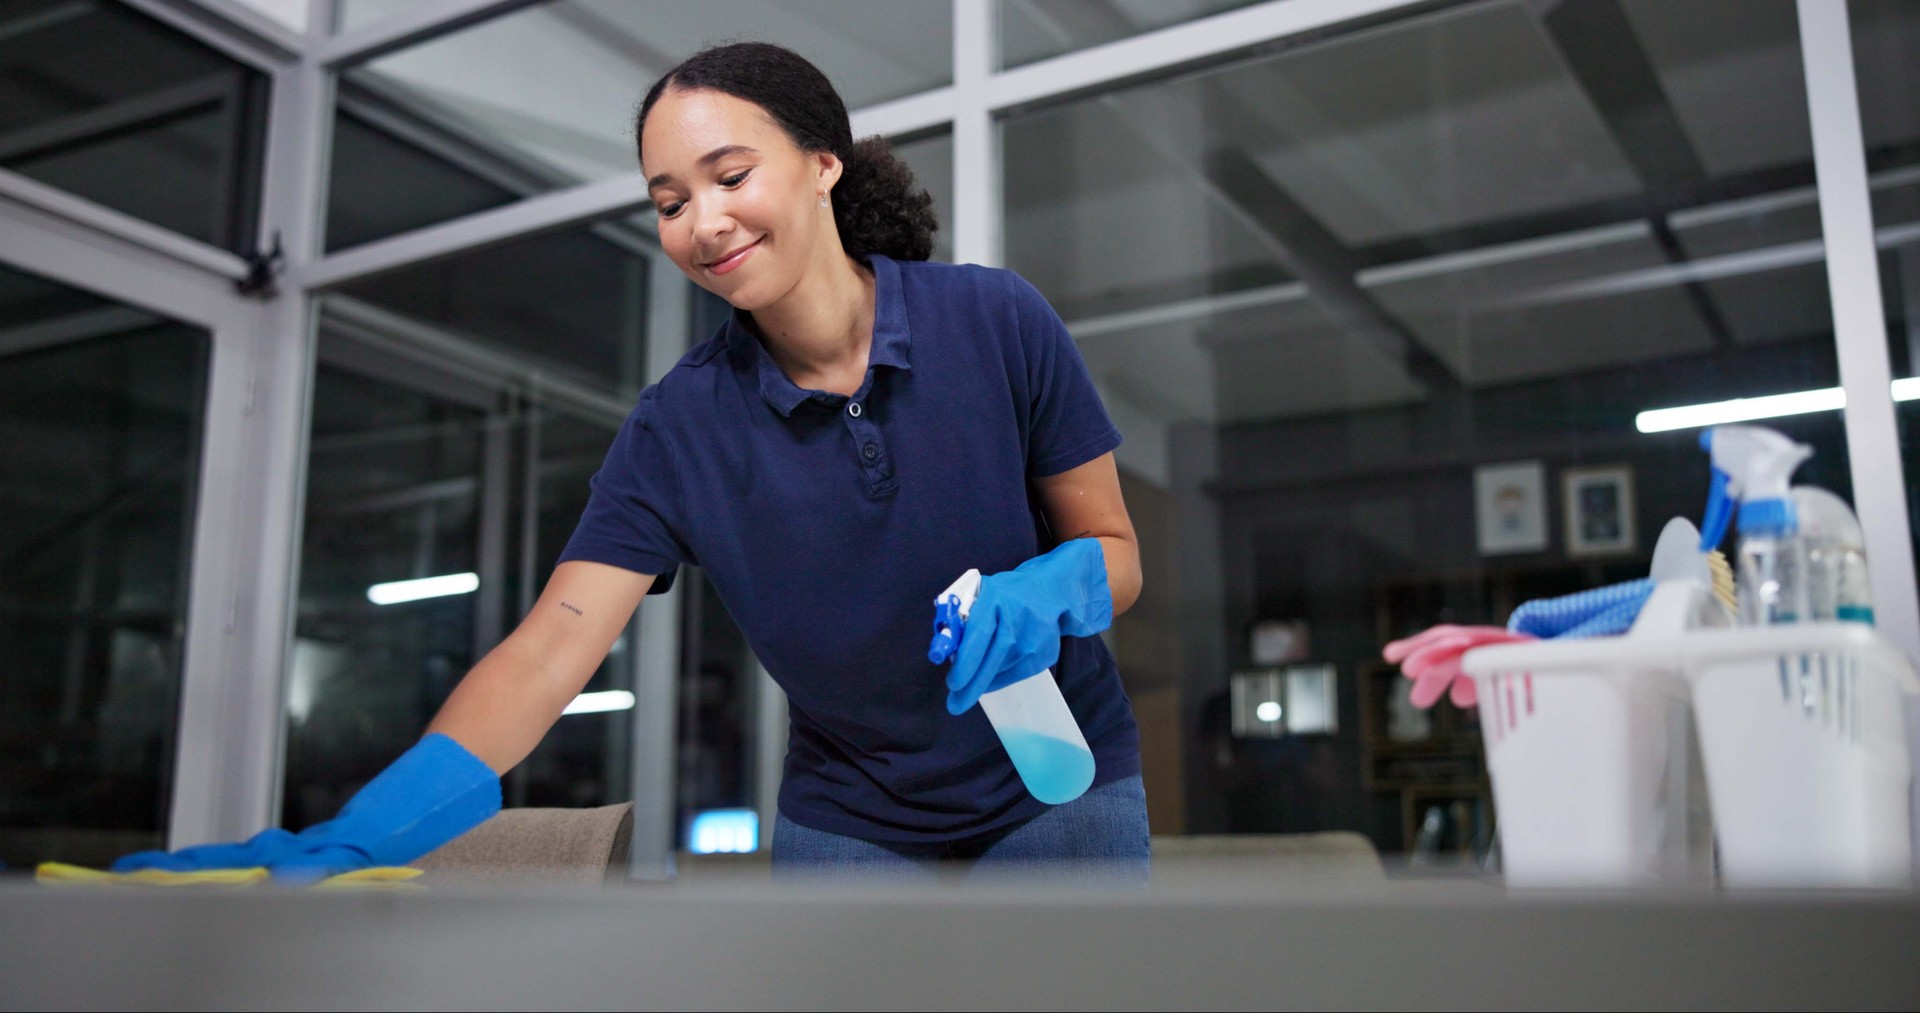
1835	554
1753	466
1771	588
1032	719
1042	738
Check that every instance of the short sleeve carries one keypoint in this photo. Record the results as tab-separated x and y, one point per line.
631	516
1068	425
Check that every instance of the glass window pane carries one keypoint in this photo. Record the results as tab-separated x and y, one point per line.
359	13
931	159
585	759
407	465
1033	30
101	408
386	181
1886	55
573	302
1382	264
544	98
393	494
107	104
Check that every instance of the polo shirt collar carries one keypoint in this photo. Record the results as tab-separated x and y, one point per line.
892	339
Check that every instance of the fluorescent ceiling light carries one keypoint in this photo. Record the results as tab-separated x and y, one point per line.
595	703
395	592
1740	409
1267	711
1746	409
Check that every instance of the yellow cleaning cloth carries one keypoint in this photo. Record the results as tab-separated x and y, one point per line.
378	878
62	874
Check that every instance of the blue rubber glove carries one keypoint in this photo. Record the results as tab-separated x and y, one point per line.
1014	629
434	792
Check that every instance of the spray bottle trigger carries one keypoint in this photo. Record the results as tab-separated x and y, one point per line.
948	626
1720	504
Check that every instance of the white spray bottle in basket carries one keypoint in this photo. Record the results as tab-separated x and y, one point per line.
1753	466
1030	716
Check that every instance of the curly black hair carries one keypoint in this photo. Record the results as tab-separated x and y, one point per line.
876	205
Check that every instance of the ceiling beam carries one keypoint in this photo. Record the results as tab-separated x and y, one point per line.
1597	43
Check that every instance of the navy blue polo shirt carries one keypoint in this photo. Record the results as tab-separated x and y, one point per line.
828	523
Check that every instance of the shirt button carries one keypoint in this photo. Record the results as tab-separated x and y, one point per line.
854	409
869	451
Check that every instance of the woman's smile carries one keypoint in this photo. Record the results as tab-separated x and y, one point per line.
726	262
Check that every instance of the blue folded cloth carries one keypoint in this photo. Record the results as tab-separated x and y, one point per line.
1602	612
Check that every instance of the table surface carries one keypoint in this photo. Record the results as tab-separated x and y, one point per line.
1219	945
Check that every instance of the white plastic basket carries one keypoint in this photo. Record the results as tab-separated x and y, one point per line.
1804	733
1598	782
1590	746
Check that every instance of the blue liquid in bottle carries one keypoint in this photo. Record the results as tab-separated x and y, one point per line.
1054	770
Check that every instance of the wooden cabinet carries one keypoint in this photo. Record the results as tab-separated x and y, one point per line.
1443	767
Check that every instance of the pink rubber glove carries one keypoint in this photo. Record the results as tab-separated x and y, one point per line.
1432	660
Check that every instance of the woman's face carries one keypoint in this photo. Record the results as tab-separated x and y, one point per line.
738	202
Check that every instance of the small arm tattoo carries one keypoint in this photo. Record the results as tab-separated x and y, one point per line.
1082	534
571	609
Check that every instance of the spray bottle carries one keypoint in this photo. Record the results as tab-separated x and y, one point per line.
1030	716
1753	465
1836	557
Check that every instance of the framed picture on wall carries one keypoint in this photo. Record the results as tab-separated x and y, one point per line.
1510	507
1600	516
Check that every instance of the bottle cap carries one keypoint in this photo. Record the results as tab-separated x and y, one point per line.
1767	517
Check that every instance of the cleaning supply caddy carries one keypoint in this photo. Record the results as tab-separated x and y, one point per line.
1627	760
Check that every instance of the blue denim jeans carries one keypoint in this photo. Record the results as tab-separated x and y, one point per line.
1098	838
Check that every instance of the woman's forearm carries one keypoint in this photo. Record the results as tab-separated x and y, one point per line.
504	706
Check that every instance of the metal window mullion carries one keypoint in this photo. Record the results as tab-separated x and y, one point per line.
562	209
771	725
977	193
106	226
532	216
247	551
490	622
913	114
459	354
1169	50
63	249
1859	324
225	762
323	19
420	22
656	629
235	29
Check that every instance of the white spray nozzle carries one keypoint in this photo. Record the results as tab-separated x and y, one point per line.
965	589
950	609
1759	465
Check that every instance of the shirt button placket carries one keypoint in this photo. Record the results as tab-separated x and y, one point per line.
869	446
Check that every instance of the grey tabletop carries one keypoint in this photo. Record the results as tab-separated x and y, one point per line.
755	946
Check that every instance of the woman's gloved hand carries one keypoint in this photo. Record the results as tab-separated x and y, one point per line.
1432	660
434	792
1019	616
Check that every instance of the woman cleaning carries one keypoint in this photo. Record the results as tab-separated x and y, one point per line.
866	427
